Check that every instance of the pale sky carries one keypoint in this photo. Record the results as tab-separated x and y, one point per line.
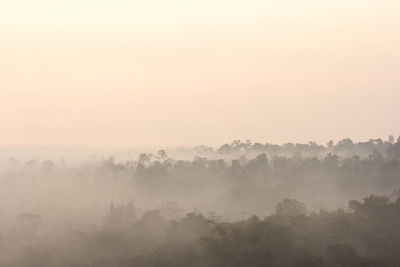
182	72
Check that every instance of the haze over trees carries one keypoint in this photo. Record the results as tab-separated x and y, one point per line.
240	204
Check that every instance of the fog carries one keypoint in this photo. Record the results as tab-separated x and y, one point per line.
177	133
86	207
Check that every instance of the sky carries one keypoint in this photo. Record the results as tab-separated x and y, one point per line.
168	73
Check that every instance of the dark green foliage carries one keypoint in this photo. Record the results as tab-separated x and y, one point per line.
366	235
250	181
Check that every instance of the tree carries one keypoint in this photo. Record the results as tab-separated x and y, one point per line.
291	208
330	143
162	154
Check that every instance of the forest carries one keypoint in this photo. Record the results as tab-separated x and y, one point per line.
240	204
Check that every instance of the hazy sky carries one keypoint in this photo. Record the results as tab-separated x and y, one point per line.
181	72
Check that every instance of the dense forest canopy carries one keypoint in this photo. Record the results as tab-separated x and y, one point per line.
240	204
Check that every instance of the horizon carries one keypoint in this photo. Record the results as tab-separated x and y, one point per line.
160	146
